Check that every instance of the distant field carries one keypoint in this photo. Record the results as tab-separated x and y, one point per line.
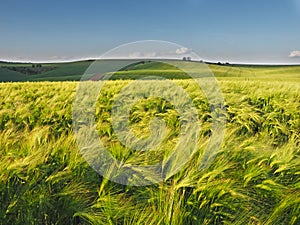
74	70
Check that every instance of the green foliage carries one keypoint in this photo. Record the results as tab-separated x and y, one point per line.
255	178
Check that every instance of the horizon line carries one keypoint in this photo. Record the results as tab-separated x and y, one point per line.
223	62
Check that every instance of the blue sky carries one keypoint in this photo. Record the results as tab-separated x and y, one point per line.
256	31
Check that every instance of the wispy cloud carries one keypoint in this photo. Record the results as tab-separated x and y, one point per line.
295	54
182	50
143	55
60	57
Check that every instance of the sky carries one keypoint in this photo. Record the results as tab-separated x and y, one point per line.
243	31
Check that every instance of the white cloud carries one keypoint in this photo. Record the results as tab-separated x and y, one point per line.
151	54
182	50
56	57
295	54
143	55
135	55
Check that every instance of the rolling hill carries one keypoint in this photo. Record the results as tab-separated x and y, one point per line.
72	71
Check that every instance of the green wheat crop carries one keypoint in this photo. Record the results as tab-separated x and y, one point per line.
254	179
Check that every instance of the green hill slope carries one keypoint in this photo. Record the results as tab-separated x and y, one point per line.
9	75
46	71
63	71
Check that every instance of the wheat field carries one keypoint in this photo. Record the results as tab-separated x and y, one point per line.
254	179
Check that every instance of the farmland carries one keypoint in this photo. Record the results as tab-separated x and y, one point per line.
254	179
73	71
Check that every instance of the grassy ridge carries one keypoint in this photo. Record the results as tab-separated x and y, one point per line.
255	178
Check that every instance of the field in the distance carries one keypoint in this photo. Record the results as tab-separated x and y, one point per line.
254	179
74	70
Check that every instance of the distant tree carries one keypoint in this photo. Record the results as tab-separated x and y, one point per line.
187	58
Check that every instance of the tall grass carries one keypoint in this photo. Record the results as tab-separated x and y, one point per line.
255	178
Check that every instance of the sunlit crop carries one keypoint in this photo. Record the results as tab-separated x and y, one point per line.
255	178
